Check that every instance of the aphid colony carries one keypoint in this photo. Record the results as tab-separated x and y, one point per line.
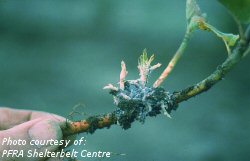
135	100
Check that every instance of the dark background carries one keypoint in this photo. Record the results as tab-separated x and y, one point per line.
56	54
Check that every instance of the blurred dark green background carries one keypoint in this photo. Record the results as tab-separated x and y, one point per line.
56	54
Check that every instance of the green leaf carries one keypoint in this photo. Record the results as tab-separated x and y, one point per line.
192	9
240	9
144	60
229	39
197	20
193	15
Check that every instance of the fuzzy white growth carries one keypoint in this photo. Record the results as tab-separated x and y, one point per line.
125	96
155	66
163	107
111	87
123	75
116	100
149	107
133	81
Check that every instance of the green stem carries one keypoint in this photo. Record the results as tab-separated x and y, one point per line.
215	77
175	59
240	28
101	121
